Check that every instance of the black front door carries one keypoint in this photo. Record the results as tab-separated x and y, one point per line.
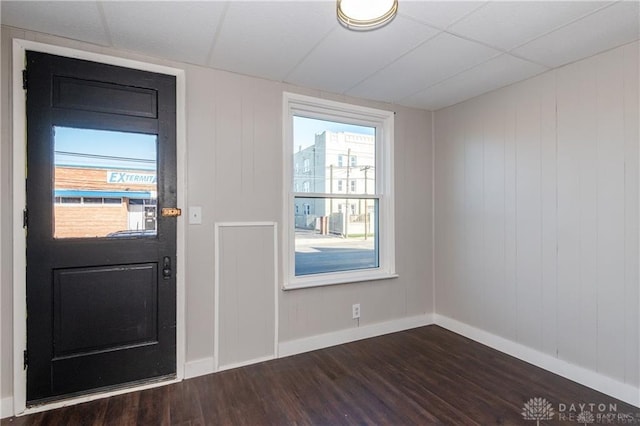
101	257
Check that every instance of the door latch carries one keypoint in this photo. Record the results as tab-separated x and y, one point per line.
166	267
171	212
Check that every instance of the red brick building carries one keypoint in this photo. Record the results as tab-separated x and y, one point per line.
96	202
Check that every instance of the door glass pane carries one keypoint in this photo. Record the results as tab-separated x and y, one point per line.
105	183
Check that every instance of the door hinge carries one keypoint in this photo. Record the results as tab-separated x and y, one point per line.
25	356
25	218
24	79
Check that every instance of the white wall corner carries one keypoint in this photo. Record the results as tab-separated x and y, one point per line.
614	388
312	343
6	407
199	367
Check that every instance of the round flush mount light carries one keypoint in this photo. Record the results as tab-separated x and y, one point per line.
365	15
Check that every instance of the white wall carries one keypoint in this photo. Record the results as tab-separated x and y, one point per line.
246	288
536	213
234	171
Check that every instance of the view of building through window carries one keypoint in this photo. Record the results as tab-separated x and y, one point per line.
105	184
336	211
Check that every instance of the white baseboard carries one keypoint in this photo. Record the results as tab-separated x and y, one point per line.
6	407
199	367
589	378
320	341
245	363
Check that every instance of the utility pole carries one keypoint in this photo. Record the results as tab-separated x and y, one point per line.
346	216
330	190
365	169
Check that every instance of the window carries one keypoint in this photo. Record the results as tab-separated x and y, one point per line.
88	201
306	165
356	229
70	200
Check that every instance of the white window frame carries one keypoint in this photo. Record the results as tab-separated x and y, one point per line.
383	122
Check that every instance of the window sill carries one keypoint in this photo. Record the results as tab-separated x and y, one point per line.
322	280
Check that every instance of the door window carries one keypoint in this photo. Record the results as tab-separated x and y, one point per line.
111	174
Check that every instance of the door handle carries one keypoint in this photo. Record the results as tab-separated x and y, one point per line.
166	267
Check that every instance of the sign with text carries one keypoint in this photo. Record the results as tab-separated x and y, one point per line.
132	178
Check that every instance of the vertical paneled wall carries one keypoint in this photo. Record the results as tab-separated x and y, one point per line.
536	213
246	283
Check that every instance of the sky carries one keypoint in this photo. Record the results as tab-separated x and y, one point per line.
305	129
121	149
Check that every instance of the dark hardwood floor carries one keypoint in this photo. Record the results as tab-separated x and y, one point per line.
424	376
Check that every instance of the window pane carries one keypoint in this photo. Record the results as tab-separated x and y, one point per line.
101	180
70	200
333	235
331	152
92	200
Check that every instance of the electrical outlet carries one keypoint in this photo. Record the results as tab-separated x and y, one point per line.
355	311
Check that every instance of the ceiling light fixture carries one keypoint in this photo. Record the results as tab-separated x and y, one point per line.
362	15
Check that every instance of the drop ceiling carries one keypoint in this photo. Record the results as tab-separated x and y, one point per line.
432	55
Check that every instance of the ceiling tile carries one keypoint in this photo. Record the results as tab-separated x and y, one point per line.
439	58
79	20
268	39
345	57
440	14
509	24
182	31
610	27
498	72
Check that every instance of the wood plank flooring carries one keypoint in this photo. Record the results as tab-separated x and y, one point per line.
424	376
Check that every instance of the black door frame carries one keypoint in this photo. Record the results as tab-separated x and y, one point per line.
19	201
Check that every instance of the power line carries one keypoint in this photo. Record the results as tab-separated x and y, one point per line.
105	157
